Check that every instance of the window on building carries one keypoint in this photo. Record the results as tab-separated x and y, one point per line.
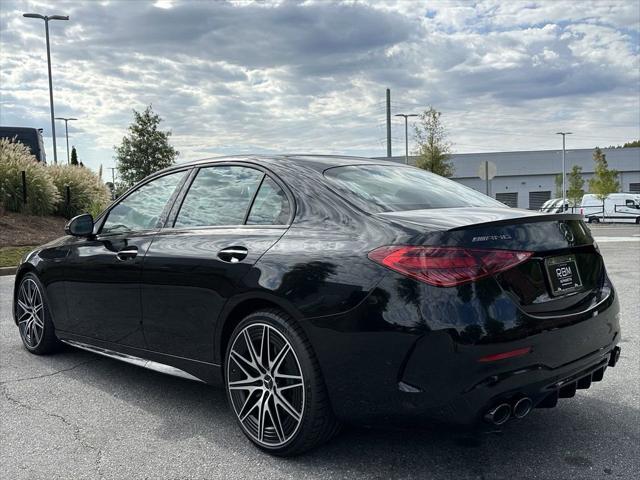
537	199
510	199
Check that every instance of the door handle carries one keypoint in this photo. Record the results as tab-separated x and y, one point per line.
233	254
127	253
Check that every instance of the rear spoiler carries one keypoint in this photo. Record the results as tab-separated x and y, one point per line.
550	217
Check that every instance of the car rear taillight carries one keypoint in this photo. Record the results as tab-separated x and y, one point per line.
446	266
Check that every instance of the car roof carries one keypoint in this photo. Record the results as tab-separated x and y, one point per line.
315	162
18	129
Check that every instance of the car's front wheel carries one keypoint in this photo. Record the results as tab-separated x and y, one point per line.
275	387
33	317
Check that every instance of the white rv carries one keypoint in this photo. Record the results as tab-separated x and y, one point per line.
618	207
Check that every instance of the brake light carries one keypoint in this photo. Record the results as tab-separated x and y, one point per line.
446	266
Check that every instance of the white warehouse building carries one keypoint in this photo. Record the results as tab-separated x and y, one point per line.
527	179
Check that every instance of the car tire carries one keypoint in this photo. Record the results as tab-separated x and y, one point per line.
34	318
278	396
594	220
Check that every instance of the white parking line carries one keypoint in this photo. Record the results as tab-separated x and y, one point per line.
616	239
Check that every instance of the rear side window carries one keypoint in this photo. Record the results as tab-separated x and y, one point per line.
219	196
271	206
389	188
141	209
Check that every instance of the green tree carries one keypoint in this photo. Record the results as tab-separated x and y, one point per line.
604	181
559	185
144	150
74	156
575	184
434	149
633	143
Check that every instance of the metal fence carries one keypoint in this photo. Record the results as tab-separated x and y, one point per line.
25	193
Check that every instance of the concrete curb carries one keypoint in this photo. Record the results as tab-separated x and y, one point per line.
7	271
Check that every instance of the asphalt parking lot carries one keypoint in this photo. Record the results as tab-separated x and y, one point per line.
78	415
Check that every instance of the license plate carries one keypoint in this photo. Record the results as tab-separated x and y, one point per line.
563	274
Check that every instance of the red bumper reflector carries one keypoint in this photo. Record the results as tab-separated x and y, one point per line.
501	356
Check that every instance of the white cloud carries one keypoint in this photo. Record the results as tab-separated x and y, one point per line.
310	76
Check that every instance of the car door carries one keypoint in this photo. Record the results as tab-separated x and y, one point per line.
103	272
230	216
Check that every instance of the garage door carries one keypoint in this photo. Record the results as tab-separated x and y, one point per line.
536	199
509	199
634	187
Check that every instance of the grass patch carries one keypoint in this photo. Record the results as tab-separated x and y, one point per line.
10	256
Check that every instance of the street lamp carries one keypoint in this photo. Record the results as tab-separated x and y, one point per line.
564	170
46	29
406	134
66	128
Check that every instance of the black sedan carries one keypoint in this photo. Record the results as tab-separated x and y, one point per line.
321	289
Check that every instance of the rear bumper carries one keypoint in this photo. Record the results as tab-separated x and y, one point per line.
467	388
544	386
400	374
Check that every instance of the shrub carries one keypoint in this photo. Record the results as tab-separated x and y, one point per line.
42	195
87	192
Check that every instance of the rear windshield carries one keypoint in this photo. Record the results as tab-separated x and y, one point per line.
392	188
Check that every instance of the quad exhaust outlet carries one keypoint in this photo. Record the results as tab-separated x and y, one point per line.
522	407
501	413
498	415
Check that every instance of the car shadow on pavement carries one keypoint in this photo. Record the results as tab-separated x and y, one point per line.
568	438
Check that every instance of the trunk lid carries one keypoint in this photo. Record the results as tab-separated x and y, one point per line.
565	274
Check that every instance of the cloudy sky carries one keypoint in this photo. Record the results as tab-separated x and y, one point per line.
293	76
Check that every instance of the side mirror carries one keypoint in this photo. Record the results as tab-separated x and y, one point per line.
80	226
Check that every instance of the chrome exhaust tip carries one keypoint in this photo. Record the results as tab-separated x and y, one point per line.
522	407
498	415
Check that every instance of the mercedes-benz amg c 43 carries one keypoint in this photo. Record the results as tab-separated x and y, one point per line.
319	290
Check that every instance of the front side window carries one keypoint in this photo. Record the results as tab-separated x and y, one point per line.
219	196
271	206
141	209
388	188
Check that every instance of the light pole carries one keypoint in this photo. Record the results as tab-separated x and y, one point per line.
406	134
564	171
66	129
46	29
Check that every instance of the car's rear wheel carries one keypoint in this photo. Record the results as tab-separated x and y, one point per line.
33	317
275	387
594	220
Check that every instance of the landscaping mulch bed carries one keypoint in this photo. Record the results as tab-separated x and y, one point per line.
24	230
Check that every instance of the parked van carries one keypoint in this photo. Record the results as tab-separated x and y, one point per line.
31	137
618	207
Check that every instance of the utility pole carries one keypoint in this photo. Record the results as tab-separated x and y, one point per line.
113	182
406	134
66	129
388	123
564	170
46	29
